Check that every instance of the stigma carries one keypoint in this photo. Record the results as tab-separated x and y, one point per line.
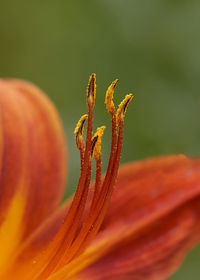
80	227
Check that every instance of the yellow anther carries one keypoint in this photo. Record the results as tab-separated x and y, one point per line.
96	140
91	89
109	96
123	107
78	132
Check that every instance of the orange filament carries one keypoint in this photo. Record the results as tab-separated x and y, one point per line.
73	237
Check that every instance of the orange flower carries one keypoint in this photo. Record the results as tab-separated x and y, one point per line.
142	232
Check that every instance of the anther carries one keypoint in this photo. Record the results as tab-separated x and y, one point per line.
78	132
97	145
91	90
109	96
94	141
123	107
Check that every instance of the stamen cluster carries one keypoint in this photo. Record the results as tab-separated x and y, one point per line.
74	236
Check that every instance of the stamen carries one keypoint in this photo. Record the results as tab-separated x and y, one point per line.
78	132
109	96
123	107
91	90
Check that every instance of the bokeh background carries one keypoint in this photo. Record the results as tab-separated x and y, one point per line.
153	46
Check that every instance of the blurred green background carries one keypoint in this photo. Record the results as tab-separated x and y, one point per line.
153	46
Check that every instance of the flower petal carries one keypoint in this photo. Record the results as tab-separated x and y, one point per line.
154	253
33	153
152	222
149	189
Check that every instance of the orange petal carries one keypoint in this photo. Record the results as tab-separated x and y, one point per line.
32	149
152	253
152	222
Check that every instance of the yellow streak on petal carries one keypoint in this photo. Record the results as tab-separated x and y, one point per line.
11	231
109	96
